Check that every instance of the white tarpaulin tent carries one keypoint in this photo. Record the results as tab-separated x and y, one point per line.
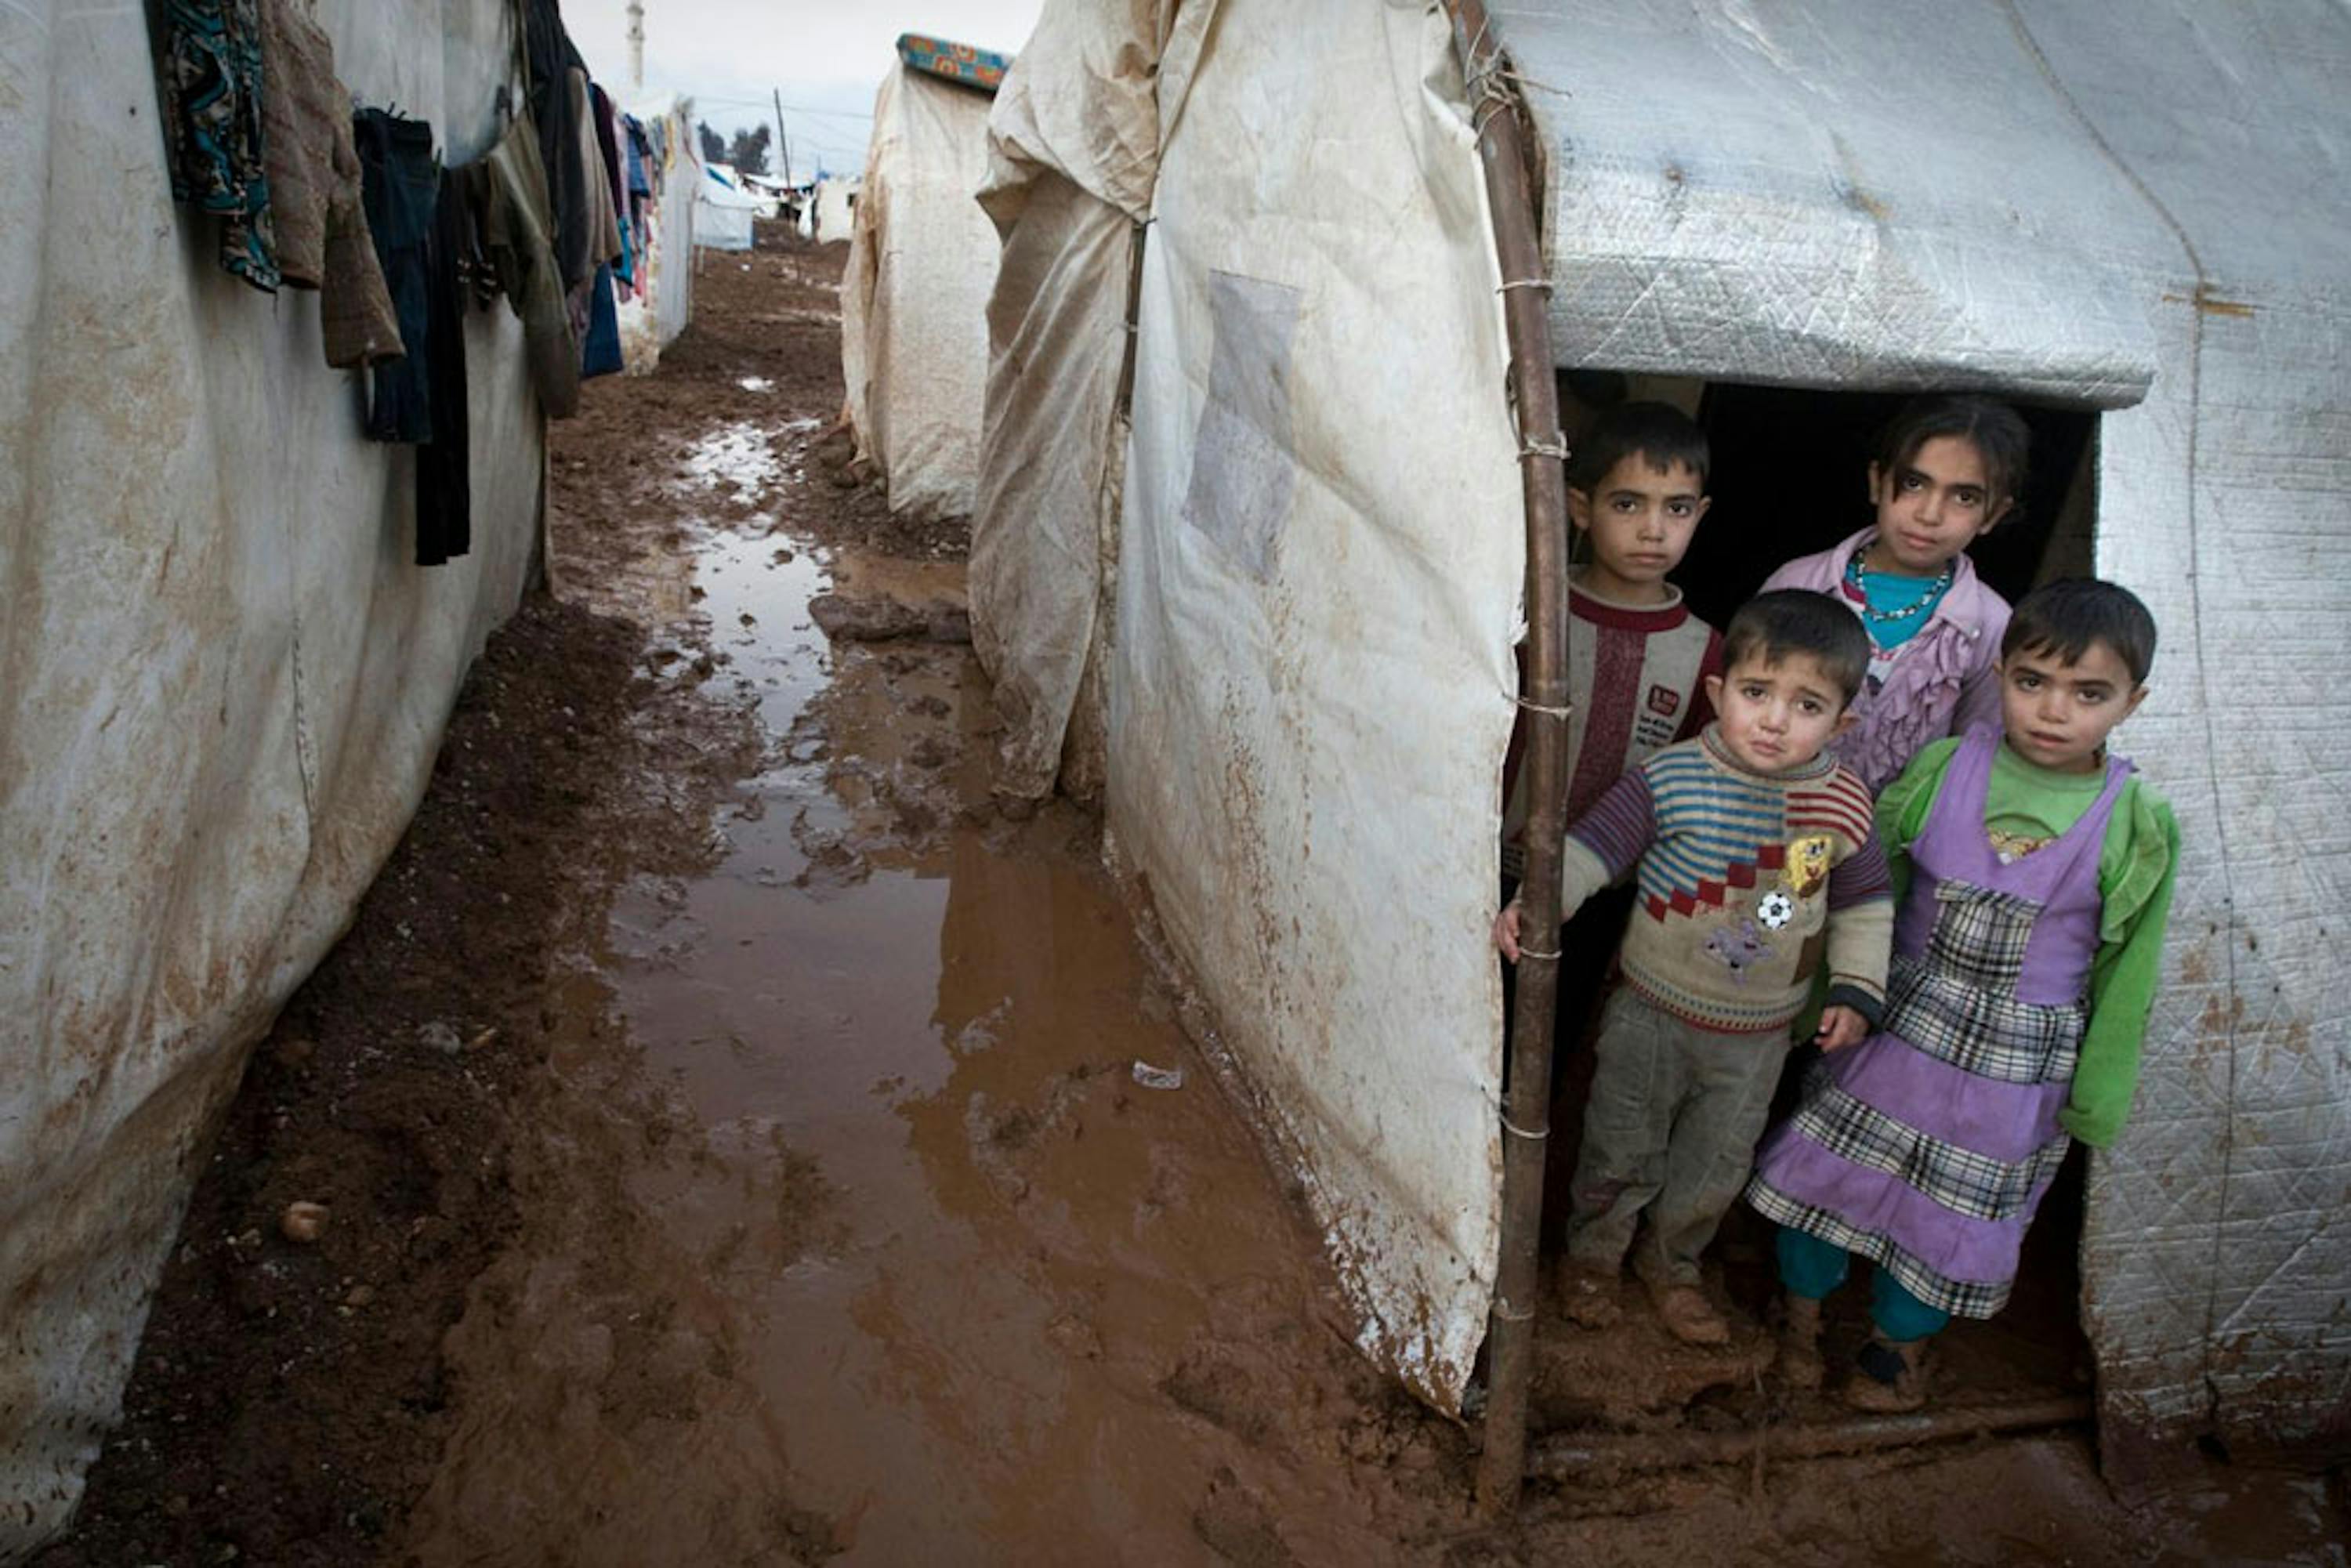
914	299
722	209
1301	599
225	677
664	298
831	208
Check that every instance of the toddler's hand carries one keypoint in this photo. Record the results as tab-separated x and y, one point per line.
1841	1026
1506	931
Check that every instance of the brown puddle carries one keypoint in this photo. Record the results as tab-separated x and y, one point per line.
916	1269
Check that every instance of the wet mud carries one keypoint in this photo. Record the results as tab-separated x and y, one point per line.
849	1189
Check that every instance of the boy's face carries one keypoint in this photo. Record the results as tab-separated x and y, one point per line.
2057	714
1777	714
1640	520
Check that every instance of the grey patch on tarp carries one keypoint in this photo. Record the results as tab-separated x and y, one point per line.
1243	470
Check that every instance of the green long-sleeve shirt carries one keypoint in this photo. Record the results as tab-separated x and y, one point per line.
2024	808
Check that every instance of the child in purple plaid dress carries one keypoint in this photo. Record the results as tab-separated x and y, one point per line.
2025	955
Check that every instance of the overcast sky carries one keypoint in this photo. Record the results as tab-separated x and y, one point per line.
826	57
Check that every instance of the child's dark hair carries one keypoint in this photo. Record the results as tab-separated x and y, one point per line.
1771	626
1997	432
1658	432
2064	618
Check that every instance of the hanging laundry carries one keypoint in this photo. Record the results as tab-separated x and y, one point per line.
550	58
211	90
507	191
603	217
444	510
314	189
399	185
600	356
608	149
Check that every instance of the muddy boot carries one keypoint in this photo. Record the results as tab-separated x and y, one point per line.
1687	1316
1800	1343
1587	1294
1889	1377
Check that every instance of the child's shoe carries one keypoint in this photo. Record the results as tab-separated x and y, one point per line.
1587	1294
1800	1343
1889	1377
1687	1316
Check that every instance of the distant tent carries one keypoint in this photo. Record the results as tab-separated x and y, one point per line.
723	210
831	208
922	260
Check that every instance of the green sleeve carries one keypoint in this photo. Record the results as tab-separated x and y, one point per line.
2136	879
1903	806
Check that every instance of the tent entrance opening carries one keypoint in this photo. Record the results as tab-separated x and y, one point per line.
1788	477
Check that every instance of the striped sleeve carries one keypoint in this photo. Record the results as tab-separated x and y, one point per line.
1860	876
1621	824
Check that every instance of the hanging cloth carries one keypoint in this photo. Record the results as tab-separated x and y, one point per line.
210	88
400	182
314	189
444	507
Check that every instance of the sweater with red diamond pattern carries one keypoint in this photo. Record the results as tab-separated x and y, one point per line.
1745	881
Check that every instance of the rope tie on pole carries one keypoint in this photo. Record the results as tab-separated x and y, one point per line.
1518	1131
1510	1314
1541	283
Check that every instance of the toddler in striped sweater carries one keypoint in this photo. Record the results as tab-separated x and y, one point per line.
1757	858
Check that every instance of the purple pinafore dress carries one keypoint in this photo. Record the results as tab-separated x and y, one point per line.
1928	1147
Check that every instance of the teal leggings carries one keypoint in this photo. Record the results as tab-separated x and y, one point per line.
1813	1267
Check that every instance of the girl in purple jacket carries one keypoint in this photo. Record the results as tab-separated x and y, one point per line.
1948	469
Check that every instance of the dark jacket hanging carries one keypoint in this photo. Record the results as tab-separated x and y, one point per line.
444	510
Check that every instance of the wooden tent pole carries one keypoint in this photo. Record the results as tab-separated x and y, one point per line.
1502	145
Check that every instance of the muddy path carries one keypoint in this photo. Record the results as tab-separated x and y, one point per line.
804	1184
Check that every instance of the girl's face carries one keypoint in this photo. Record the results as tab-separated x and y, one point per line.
1933	506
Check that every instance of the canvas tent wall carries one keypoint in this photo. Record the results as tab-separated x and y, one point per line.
226	679
914	299
663	300
1304	609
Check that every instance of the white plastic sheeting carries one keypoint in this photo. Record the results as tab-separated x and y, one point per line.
2217	1255
913	299
224	680
2040	231
723	210
1073	151
1319	565
664	298
831	207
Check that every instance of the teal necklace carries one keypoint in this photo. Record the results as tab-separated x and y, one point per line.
1859	576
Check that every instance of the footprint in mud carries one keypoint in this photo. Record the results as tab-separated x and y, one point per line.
1211	1383
1235	1523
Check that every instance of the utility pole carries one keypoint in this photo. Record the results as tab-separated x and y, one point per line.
636	46
783	144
